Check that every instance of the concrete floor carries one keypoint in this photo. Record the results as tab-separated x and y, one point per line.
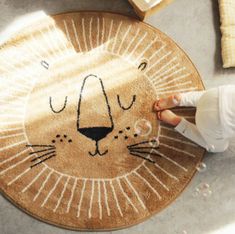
194	25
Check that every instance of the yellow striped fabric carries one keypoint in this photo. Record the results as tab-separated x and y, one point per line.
227	18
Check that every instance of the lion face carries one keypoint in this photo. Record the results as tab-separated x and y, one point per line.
90	115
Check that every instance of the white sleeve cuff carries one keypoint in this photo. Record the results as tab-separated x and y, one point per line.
181	127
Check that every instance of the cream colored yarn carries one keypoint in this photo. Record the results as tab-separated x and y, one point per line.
227	18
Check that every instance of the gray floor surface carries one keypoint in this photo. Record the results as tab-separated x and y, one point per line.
194	25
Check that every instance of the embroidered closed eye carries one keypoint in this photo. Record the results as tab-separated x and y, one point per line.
126	107
59	110
142	66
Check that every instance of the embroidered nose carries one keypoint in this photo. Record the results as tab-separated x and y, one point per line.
95	133
94	114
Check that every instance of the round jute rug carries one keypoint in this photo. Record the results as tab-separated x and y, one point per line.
79	144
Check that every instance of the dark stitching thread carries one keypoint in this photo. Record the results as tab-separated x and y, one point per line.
140	143
97	151
101	131
41	156
65	103
49	150
142	157
143	65
106	99
129	107
45	64
143	148
142	154
39	151
42	161
61	138
40	146
146	152
137	151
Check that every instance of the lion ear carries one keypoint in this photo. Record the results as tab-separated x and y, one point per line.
142	66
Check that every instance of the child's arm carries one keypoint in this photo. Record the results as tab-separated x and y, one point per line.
190	131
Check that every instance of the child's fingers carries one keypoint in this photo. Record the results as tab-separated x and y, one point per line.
156	105
159	115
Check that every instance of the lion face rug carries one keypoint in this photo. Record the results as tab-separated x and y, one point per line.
79	144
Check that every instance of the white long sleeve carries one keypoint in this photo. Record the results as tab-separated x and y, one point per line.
215	118
191	98
227	109
190	131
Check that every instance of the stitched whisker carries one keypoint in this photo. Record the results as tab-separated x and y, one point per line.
142	157
40	146
39	151
133	148
45	159
145	152
141	143
41	156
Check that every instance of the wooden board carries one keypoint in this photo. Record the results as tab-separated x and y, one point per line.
145	8
79	144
